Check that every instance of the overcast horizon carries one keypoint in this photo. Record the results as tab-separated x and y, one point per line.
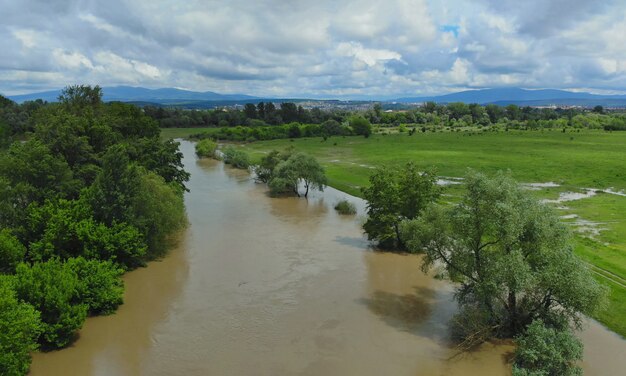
314	49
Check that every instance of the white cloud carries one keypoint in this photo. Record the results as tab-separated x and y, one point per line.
26	37
319	48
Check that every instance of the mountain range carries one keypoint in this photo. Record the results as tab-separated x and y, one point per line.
140	94
505	96
209	99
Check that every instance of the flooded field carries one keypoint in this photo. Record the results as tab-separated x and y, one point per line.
282	286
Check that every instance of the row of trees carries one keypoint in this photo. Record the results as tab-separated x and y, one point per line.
282	171
357	125
431	113
91	193
509	256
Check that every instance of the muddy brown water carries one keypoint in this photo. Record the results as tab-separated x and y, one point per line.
283	286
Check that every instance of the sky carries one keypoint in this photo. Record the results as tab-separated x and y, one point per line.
320	48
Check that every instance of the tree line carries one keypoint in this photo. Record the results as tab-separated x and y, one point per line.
91	193
451	115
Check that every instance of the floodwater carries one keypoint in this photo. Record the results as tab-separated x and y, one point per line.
283	286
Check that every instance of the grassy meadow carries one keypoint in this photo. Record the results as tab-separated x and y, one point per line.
572	160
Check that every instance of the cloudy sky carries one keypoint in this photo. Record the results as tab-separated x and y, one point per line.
314	48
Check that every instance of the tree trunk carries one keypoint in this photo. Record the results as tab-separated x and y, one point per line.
306	194
512	308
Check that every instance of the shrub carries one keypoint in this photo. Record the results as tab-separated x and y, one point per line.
206	148
547	351
345	207
235	157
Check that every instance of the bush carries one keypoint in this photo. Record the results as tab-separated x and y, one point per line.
345	207
547	351
206	148
101	287
53	289
360	126
235	157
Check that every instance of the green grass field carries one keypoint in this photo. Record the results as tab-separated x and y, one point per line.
574	160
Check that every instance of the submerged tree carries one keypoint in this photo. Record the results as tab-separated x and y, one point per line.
287	174
511	258
395	195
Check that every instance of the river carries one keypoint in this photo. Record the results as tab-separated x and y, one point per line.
283	286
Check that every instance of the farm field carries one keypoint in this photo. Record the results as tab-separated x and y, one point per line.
584	163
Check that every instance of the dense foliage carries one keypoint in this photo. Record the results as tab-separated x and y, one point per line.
395	195
236	157
206	148
511	258
20	326
89	192
544	351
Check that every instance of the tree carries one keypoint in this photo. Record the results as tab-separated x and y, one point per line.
331	128
19	329
54	290
298	167
547	351
115	187
360	126
250	111
598	109
12	251
101	286
158	210
265	169
80	96
510	256
394	195
289	112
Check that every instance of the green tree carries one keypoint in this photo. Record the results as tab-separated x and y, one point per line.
510	256
19	329
360	126
298	166
547	351
80	96
101	287
395	195
12	251
54	290
265	169
158	210
115	187
250	111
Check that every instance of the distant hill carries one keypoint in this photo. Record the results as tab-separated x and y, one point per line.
519	96
140	94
